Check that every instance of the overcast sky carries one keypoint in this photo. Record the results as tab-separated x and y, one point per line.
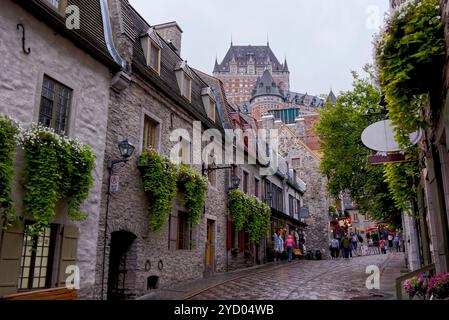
323	39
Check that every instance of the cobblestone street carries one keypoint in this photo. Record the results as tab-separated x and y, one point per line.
310	280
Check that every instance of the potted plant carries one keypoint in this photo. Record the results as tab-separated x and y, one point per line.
439	286
417	286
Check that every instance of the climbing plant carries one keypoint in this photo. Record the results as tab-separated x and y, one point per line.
159	177
56	168
249	213
8	135
410	53
237	209
193	186
401	179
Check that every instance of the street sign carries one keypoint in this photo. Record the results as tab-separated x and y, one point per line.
388	158
114	184
380	136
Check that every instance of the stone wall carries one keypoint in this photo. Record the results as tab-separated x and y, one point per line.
20	94
316	197
129	208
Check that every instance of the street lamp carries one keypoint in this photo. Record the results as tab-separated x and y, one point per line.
126	151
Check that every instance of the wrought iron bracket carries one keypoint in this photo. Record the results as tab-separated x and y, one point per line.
26	51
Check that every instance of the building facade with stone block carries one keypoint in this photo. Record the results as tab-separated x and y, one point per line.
60	78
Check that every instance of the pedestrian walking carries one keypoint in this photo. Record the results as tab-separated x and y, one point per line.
346	246
354	241
334	247
277	246
397	243
289	243
390	241
382	245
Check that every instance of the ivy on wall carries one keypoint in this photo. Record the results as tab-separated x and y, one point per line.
410	53
194	187
159	178
56	168
401	179
249	213
8	134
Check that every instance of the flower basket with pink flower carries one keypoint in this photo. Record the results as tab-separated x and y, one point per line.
439	286
417	286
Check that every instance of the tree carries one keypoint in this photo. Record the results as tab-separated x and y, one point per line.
345	158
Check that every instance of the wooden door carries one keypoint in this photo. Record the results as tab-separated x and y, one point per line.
209	269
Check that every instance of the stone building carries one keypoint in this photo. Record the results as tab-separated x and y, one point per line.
283	191
61	78
316	198
163	94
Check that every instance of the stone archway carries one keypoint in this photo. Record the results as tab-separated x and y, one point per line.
122	266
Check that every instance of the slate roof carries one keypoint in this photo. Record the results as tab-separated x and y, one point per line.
241	54
91	35
266	86
135	26
304	99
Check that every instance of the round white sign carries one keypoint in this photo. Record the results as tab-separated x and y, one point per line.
380	137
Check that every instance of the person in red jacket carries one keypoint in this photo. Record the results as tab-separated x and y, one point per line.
289	243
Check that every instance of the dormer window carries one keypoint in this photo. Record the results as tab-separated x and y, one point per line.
186	86
184	77
209	102
151	46
154	57
58	5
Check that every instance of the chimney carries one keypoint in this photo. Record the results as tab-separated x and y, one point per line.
172	33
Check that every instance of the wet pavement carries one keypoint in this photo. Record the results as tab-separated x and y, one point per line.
301	280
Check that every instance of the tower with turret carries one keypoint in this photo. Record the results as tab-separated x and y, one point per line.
243	65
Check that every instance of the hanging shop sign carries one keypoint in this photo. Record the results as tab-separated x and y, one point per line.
380	136
387	158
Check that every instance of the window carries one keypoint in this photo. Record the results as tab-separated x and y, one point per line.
155	57
291	209
267	191
280	200
211	109
55	105
298	209
183	240
186	86
245	182
59	5
37	259
296	163
150	133
184	151
256	187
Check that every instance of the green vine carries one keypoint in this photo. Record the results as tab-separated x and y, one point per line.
410	54
194	187
250	214
56	168
237	209
8	135
159	177
401	179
